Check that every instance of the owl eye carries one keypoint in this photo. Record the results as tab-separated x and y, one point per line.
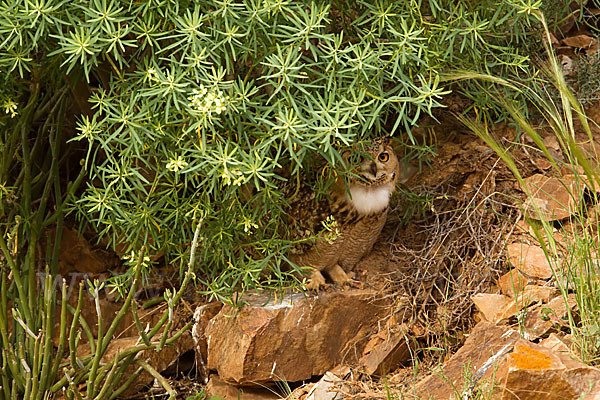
383	157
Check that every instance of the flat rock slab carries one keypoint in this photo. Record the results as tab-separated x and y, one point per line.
492	306
512	283
292	338
496	357
552	198
497	307
530	260
542	318
476	359
546	372
395	349
217	388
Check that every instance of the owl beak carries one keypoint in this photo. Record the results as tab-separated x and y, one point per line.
373	168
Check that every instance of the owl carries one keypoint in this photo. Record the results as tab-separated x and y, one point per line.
350	218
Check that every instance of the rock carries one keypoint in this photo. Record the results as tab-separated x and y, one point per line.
218	388
475	361
517	369
536	372
492	306
555	343
512	282
202	316
330	386
543	317
292	338
496	307
531	294
389	353
530	260
535	294
551	198
326	389
76	254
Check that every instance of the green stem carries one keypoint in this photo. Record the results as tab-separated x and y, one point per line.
127	383
72	341
63	333
99	350
188	275
163	382
16	277
48	347
138	324
107	383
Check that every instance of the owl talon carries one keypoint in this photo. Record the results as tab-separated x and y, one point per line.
356	284
338	276
317	280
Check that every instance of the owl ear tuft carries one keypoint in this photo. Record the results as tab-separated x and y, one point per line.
386	140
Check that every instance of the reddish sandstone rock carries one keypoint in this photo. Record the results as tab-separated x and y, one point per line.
530	260
217	388
536	372
497	307
543	317
492	306
512	282
293	338
387	354
471	365
552	198
202	317
76	254
496	357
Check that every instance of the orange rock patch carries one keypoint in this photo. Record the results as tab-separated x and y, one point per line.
527	358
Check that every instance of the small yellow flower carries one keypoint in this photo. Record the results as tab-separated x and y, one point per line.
176	164
10	107
235	176
249	225
208	101
151	73
226	176
132	258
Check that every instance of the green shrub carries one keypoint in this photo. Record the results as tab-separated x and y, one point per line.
200	109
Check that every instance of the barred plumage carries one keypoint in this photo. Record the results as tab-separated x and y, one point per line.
358	205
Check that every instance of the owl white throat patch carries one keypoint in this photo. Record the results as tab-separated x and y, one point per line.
370	199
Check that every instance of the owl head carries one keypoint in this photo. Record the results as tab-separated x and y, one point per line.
370	188
378	164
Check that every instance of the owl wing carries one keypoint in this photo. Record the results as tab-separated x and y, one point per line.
314	217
